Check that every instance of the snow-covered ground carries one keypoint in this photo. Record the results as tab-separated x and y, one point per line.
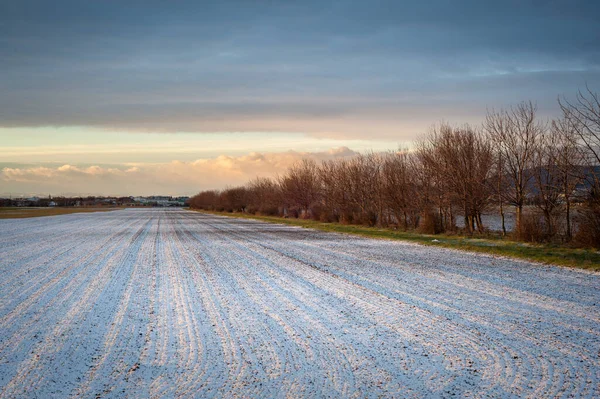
171	303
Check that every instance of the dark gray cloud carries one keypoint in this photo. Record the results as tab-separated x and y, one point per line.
278	66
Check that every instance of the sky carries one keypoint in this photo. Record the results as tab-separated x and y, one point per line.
173	97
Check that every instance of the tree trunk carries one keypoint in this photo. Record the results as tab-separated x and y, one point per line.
569	233
518	219
549	227
502	218
479	223
467	221
567	194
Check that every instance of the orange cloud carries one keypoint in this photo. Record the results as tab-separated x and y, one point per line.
174	177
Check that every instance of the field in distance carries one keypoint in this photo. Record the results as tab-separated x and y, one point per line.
174	303
27	212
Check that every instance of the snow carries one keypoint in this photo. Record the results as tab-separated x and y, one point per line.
172	303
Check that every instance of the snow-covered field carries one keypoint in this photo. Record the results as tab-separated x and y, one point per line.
171	303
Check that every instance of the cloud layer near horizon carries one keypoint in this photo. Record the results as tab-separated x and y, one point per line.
172	178
89	85
337	69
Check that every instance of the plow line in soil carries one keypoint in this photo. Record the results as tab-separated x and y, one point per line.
170	303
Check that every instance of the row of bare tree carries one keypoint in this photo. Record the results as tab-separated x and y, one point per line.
548	173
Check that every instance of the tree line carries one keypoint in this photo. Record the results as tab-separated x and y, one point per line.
546	173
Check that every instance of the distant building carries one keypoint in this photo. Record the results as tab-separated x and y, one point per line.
161	200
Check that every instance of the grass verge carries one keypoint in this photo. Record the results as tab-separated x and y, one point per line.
23	212
588	259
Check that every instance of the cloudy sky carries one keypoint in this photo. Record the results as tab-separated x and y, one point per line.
126	97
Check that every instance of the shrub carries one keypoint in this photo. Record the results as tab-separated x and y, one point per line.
588	229
430	223
532	229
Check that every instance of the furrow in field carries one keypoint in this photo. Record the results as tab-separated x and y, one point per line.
47	369
259	327
544	369
43	304
168	303
127	318
33	282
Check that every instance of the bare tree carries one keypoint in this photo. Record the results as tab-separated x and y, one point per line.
515	160
206	200
583	115
364	180
300	186
333	176
434	201
498	184
547	178
234	199
569	161
263	196
398	188
459	161
468	160
515	134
